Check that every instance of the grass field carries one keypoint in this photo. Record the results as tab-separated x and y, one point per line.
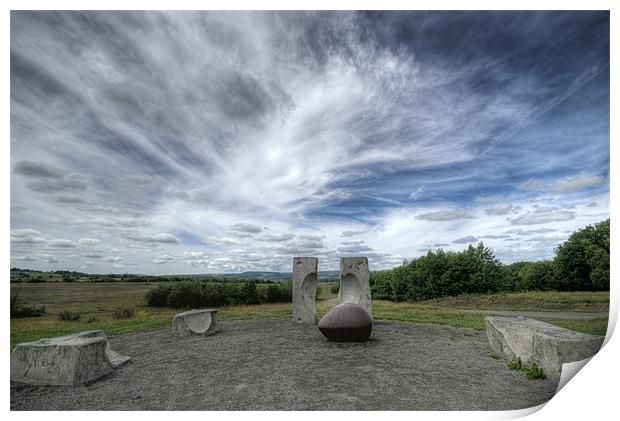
97	301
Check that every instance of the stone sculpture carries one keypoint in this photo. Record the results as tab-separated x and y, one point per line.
195	322
355	283
534	341
346	323
304	289
65	360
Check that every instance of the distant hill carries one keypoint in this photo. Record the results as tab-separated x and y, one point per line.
272	276
29	276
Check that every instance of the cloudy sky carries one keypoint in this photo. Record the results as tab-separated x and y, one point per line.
223	142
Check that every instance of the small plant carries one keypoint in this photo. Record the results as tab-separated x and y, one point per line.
19	309
534	371
334	288
515	364
124	313
69	316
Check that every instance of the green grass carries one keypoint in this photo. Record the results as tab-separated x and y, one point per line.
528	301
97	302
593	326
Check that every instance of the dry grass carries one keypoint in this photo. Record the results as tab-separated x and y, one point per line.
96	302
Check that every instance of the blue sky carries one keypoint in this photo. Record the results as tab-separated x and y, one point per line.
228	141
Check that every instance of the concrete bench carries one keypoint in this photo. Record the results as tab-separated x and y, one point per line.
535	341
65	360
195	322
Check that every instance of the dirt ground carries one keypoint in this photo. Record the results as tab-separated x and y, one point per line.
276	365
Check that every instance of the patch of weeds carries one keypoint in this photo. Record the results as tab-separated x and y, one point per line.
69	316
19	309
124	313
534	371
91	319
515	364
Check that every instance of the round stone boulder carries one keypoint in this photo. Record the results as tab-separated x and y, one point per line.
346	323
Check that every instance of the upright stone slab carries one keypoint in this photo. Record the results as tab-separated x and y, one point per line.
65	360
355	283
304	289
195	322
535	341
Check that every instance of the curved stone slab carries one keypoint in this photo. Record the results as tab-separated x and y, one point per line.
65	360
535	341
195	322
305	281
355	283
346	323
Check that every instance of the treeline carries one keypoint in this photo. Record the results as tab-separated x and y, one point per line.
196	294
580	264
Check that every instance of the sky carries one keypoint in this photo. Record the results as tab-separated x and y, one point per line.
206	142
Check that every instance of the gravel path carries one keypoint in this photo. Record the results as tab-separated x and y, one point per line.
276	365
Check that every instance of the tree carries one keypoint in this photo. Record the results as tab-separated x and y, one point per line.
583	260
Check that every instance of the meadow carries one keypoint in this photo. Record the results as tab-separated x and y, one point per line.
98	305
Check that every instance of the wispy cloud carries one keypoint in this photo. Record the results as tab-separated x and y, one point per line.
228	141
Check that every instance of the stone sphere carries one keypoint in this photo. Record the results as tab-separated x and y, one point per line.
346	323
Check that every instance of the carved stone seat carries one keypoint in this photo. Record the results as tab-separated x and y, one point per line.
195	322
65	360
534	341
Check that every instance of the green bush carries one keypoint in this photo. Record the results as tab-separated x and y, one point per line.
275	293
186	295
19	308
124	313
69	316
334	288
158	296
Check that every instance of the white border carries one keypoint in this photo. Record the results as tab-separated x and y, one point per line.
590	395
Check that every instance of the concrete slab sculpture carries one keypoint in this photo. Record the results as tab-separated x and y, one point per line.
305	281
69	360
195	322
346	323
355	283
535	341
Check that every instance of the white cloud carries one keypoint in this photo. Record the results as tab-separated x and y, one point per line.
467	239
62	243
533	185
577	183
446	215
88	241
543	216
500	209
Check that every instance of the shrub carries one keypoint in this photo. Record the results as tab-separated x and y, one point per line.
534	371
19	309
515	364
275	293
186	295
214	295
158	296
69	316
334	288
249	294
126	312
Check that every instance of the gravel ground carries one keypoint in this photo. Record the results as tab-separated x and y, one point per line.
276	365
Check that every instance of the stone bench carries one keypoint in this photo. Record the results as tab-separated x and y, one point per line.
195	322
535	341
65	360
